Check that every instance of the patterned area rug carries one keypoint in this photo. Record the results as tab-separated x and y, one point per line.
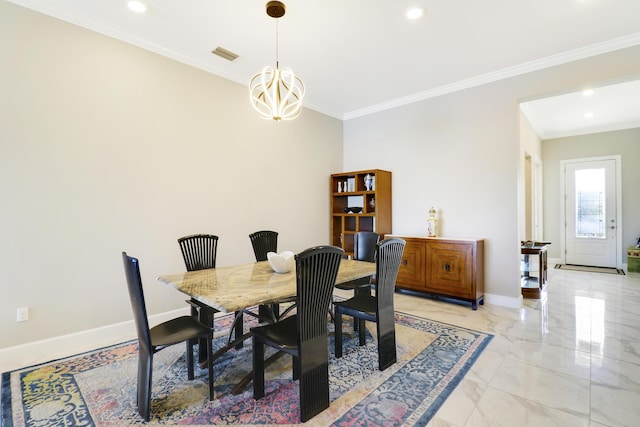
98	388
590	269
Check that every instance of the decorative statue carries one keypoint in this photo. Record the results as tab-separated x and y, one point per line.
367	182
432	224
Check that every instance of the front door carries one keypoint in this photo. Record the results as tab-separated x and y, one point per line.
591	217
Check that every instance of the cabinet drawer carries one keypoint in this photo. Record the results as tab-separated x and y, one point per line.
450	269
412	265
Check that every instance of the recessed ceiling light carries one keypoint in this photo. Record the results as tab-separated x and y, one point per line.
136	6
415	13
587	92
588	115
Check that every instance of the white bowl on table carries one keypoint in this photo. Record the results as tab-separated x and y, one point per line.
282	262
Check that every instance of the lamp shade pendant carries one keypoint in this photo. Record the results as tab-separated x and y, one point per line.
276	93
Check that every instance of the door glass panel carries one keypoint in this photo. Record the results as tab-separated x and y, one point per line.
590	206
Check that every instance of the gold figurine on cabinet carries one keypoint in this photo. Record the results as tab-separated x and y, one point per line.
432	224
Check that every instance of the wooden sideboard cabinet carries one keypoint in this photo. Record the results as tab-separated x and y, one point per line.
452	268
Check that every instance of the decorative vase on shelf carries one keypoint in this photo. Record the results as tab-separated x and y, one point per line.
372	205
367	182
432	224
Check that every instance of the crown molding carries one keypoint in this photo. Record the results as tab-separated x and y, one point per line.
527	67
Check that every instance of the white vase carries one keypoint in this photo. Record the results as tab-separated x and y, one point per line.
367	182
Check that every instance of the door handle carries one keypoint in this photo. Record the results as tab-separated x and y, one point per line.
612	227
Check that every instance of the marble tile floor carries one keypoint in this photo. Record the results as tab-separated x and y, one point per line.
571	358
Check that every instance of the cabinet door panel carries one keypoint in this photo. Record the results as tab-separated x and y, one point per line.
412	265
449	269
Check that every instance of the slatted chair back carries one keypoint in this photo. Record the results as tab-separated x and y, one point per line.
389	252
316	273
199	251
264	241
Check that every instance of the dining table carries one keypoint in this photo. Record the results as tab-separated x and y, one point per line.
234	288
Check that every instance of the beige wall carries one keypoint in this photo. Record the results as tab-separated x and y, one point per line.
105	147
625	143
462	154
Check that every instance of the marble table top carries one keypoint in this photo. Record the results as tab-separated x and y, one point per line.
233	288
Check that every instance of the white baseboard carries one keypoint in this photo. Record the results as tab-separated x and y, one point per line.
36	352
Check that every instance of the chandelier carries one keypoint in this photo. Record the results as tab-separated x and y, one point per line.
276	93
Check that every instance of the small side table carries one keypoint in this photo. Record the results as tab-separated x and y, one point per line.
532	286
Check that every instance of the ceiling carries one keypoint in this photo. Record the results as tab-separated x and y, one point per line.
361	56
597	109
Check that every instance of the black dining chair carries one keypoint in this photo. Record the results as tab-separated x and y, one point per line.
199	252
152	340
364	249
303	335
263	242
376	308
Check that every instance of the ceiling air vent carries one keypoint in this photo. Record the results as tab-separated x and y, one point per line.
224	53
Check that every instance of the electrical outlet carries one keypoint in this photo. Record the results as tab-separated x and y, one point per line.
23	314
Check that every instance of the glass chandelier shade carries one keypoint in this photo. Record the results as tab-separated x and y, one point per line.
276	93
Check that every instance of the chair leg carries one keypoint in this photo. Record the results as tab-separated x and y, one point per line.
239	328
210	362
145	365
337	342
295	363
205	317
258	369
275	310
140	378
314	391
387	354
361	331
190	344
268	313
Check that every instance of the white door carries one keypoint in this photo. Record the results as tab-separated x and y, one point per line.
591	215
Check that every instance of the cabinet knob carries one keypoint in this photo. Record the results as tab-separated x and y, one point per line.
404	262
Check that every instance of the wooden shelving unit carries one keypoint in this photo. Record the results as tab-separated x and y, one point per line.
374	216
